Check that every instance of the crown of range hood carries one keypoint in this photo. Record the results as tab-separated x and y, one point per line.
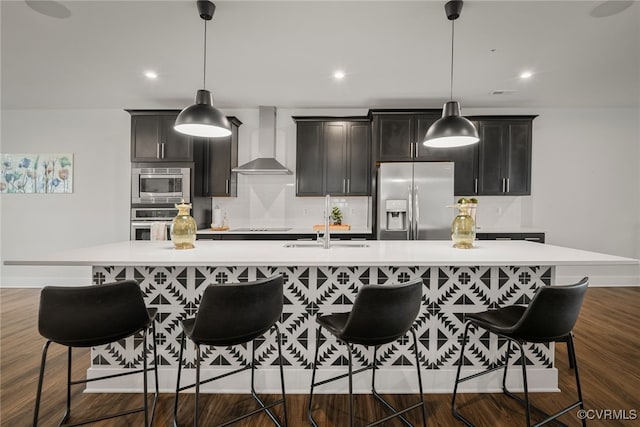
266	139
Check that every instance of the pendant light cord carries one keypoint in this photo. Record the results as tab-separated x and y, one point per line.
451	78
204	71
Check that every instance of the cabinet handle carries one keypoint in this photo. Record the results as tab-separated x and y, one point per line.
475	185
417	150
344	185
158	150
503	184
348	185
226	186
507	185
503	238
532	239
411	150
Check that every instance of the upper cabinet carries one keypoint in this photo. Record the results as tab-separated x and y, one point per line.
213	160
398	136
333	156
153	138
504	159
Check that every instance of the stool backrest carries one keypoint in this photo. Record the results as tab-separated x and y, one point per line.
383	313
552	313
238	312
84	316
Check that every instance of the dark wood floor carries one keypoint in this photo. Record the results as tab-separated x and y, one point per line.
607	344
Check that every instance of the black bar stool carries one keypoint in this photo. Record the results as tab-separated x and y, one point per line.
381	314
549	317
231	314
88	316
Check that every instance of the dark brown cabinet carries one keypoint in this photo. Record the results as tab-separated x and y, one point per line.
531	237
333	156
153	138
213	160
398	136
504	155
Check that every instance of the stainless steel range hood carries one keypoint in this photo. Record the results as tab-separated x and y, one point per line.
267	142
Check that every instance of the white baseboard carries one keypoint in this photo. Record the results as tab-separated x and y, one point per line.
297	381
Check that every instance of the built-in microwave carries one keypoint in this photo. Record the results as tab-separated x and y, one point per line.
160	185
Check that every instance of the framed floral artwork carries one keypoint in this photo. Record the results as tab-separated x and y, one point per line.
36	173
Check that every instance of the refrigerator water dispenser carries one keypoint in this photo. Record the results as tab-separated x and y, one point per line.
396	214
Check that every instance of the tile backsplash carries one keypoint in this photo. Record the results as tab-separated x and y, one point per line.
270	201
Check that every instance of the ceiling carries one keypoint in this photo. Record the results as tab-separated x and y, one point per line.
283	53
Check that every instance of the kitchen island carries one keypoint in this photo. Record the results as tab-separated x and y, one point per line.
494	273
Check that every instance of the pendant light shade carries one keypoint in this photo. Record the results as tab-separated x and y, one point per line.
452	130
202	119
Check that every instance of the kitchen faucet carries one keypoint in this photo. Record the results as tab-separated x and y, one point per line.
326	239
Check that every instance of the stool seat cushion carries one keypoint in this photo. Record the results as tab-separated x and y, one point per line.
501	320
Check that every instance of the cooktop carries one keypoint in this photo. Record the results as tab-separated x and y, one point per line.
276	229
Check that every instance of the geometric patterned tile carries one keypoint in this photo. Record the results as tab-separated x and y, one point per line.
448	293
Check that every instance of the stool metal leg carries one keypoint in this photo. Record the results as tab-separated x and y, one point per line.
454	411
175	403
43	361
572	356
424	410
284	399
196	412
313	377
67	412
524	383
349	349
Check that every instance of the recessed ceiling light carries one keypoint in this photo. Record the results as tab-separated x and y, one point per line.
338	75
151	75
526	75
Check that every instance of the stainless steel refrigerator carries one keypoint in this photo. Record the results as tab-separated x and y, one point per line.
413	199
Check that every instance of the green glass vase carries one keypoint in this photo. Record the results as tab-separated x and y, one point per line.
183	228
463	228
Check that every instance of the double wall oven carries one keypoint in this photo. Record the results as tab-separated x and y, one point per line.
154	191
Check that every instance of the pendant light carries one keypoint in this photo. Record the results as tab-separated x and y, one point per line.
202	119
452	129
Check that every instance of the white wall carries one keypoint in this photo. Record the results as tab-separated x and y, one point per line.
578	156
96	212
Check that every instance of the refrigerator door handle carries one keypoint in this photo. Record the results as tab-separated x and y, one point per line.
416	214
410	219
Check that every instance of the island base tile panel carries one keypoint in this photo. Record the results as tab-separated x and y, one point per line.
448	293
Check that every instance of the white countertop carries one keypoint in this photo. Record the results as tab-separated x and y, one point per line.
273	253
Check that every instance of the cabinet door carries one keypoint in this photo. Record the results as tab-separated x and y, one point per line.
309	159
465	159
359	159
420	152
213	160
394	137
518	159
490	159
220	164
177	146
335	151
145	138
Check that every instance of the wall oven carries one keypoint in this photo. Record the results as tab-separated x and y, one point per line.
143	218
160	185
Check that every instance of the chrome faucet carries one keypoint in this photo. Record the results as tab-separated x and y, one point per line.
326	239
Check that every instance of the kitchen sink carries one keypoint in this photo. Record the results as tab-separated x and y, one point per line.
333	245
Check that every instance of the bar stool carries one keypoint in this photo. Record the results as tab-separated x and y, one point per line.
549	317
90	316
381	314
231	314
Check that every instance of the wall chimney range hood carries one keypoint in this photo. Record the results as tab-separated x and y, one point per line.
266	139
